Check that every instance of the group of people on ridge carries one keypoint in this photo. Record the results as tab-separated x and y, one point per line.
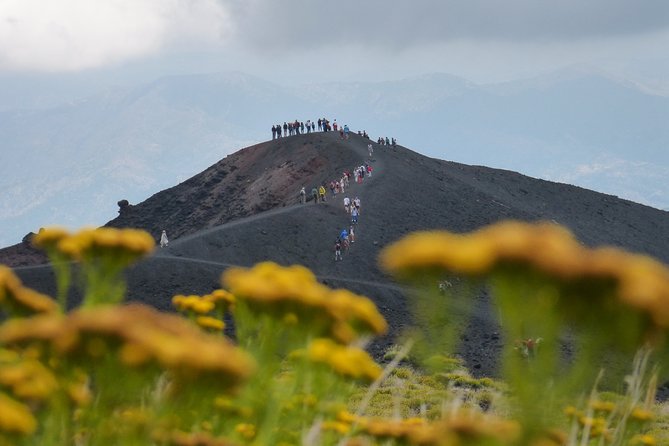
298	127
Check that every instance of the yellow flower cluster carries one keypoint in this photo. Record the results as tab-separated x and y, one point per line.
210	323
15	417
28	379
640	282
48	238
294	292
18	299
471	427
218	299
143	334
347	361
246	430
128	243
336	426
643	440
192	303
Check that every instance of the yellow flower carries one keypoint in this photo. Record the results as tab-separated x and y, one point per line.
645	440
336	426
640	414
637	282
19	299
142	333
603	406
246	430
210	323
16	417
222	298
28	379
427	250
124	244
294	292
347	361
48	238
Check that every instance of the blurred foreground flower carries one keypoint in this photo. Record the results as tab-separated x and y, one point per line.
347	361
17	300
139	335
294	293
103	254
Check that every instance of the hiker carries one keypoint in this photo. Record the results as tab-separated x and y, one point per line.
356	204
273	132
321	192
387	141
308	125
346	131
163	239
393	142
354	215
285	128
351	234
334	125
313	127
303	195
338	250
370	149
343	236
278	131
347	204
369	170
342	183
320	124
314	193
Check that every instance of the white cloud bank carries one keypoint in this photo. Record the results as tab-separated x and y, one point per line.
70	35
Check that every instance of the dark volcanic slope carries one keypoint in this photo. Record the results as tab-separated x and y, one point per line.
250	181
407	192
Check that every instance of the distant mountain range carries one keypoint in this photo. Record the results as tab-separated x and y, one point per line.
70	164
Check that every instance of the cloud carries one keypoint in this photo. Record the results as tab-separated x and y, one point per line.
70	35
404	24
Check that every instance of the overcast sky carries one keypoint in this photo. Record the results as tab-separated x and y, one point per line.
312	40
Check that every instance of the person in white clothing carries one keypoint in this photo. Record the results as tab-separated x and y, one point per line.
370	149
163	239
347	204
